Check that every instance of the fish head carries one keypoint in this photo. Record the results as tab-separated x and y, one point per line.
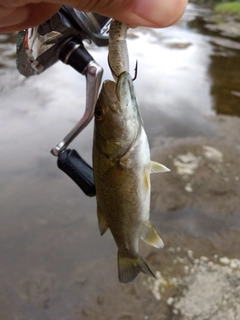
117	118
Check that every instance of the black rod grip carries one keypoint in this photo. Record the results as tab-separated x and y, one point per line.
79	58
70	162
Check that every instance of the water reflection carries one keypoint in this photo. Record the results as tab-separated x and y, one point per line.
191	66
224	70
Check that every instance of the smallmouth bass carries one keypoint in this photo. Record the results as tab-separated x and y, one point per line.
122	167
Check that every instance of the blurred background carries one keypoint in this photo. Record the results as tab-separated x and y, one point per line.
53	262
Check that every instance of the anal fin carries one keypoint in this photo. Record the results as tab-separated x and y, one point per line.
150	236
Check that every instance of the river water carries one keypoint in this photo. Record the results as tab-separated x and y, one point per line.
50	247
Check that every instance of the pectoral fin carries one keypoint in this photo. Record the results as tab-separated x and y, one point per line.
102	223
147	184
150	236
158	167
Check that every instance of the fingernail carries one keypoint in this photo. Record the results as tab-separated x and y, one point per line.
160	12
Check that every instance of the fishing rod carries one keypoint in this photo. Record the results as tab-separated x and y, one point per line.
61	38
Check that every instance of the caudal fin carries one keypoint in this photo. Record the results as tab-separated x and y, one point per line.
129	268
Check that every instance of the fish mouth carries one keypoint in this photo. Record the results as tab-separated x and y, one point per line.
108	94
124	88
120	92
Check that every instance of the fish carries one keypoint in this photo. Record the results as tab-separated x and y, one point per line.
122	168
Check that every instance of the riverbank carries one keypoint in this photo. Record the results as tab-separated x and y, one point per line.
232	8
228	7
224	19
227	25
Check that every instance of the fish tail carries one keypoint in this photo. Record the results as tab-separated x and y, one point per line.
129	268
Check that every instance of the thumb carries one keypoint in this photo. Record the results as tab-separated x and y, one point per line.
148	13
17	15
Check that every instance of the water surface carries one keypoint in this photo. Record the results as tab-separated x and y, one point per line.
50	245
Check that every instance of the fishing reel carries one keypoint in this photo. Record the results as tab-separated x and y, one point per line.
61	38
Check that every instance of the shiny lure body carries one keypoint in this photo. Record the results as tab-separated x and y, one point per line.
118	52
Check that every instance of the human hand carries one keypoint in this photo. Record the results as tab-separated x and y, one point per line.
20	14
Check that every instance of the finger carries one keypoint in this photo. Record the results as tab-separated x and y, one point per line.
148	13
18	18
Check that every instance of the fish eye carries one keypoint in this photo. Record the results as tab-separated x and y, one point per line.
99	113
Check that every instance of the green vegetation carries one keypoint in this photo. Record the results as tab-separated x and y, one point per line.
212	3
228	8
221	6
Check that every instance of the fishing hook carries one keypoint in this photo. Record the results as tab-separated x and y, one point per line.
117	76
